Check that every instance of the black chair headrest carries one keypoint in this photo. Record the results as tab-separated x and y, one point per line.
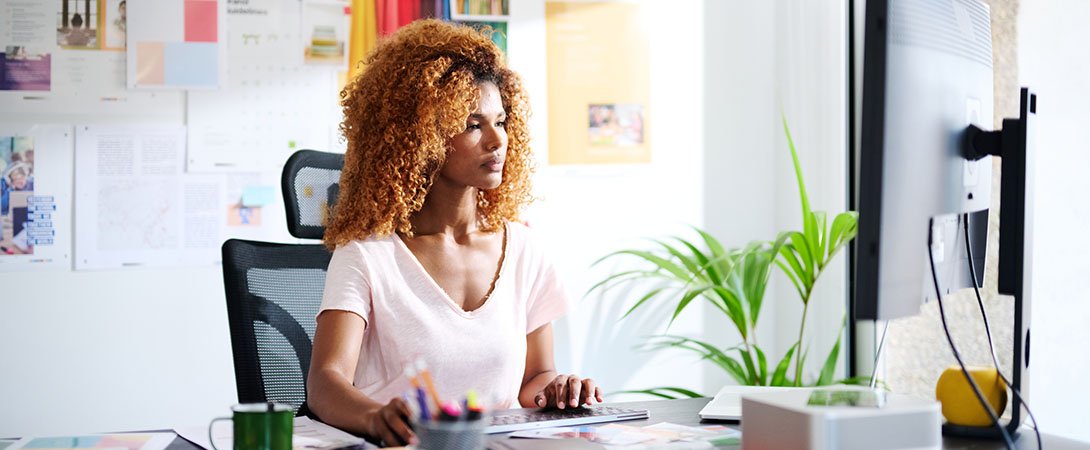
310	185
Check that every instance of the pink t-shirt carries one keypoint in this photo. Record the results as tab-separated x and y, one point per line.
409	316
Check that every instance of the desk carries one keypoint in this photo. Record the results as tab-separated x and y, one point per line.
684	412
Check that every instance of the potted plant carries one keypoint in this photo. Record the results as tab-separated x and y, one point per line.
734	280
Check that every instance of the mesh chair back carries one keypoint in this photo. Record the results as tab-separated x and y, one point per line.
310	185
273	295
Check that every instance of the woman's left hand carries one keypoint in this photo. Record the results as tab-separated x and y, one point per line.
568	391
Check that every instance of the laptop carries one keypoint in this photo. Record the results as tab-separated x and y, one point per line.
727	404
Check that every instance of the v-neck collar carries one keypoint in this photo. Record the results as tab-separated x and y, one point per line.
423	273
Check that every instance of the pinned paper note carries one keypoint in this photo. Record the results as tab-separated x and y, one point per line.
256	196
242	216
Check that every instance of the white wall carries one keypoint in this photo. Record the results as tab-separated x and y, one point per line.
585	212
114	350
740	146
1054	61
763	59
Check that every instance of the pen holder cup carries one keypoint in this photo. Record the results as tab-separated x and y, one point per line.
454	435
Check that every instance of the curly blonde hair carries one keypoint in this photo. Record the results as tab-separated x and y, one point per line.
400	113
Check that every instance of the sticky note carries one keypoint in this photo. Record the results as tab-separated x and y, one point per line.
201	21
149	63
254	196
191	64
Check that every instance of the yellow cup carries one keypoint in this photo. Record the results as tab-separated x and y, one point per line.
960	405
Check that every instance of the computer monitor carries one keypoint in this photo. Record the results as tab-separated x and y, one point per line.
925	159
927	75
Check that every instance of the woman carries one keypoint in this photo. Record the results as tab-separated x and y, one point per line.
429	260
78	36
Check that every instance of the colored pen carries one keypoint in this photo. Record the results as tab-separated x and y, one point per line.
471	399
422	398
414	408
422	369
411	373
450	412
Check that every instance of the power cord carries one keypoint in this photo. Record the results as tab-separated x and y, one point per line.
942	314
988	332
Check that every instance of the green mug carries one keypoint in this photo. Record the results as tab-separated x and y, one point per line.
259	426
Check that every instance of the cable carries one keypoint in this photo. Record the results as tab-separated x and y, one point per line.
942	314
878	355
988	332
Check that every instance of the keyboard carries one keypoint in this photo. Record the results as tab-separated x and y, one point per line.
528	419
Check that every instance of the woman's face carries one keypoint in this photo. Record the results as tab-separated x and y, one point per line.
480	150
18	180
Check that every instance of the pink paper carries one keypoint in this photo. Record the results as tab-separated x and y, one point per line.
200	20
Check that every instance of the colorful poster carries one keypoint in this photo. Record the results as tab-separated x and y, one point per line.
27	43
114	24
91	24
78	24
22	70
598	68
35	197
18	205
176	44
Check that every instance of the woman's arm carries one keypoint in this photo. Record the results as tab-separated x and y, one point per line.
330	393
542	386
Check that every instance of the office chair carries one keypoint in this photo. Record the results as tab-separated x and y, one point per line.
274	290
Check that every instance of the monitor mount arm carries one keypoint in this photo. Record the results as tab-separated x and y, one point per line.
1014	146
979	143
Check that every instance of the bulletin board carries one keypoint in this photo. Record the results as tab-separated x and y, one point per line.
598	73
154	176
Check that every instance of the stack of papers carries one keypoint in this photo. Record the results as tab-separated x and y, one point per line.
661	435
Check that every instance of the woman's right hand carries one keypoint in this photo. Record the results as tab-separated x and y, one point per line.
391	424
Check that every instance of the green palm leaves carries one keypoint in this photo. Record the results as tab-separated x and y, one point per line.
808	253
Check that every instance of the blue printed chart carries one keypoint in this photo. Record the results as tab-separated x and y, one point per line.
39	224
